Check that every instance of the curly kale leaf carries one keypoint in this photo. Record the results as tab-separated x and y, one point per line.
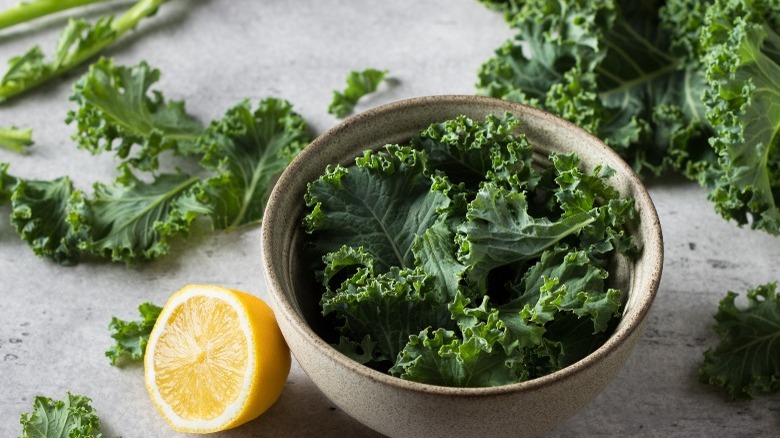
435	252
40	211
132	220
467	151
131	336
128	221
499	231
562	280
569	318
386	308
741	41
746	360
118	111
561	307
472	358
247	150
359	83
73	417
578	192
382	204
608	67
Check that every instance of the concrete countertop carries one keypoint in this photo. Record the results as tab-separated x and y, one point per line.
213	54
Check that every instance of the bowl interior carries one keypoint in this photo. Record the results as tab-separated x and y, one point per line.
291	283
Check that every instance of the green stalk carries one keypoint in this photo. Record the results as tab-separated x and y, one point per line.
62	64
120	26
15	139
27	11
129	19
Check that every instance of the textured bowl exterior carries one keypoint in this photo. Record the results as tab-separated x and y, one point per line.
400	408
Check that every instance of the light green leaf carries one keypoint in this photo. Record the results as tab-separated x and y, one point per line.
118	111
73	417
359	83
131	336
78	42
15	139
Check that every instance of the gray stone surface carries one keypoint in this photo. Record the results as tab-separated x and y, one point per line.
53	319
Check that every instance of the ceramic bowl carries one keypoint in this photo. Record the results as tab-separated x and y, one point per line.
401	408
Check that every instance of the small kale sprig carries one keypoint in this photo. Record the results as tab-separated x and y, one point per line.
359	83
131	336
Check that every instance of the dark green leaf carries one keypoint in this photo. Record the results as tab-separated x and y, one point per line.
248	150
609	67
746	360
435	252
387	308
382	204
132	220
40	216
477	359
499	231
742	61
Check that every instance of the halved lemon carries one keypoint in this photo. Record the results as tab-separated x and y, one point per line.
215	359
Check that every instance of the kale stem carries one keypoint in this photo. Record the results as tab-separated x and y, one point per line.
57	67
129	19
15	139
27	11
120	26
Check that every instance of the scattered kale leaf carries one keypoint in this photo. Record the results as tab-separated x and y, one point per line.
247	150
359	83
73	417
746	360
131	336
116	110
